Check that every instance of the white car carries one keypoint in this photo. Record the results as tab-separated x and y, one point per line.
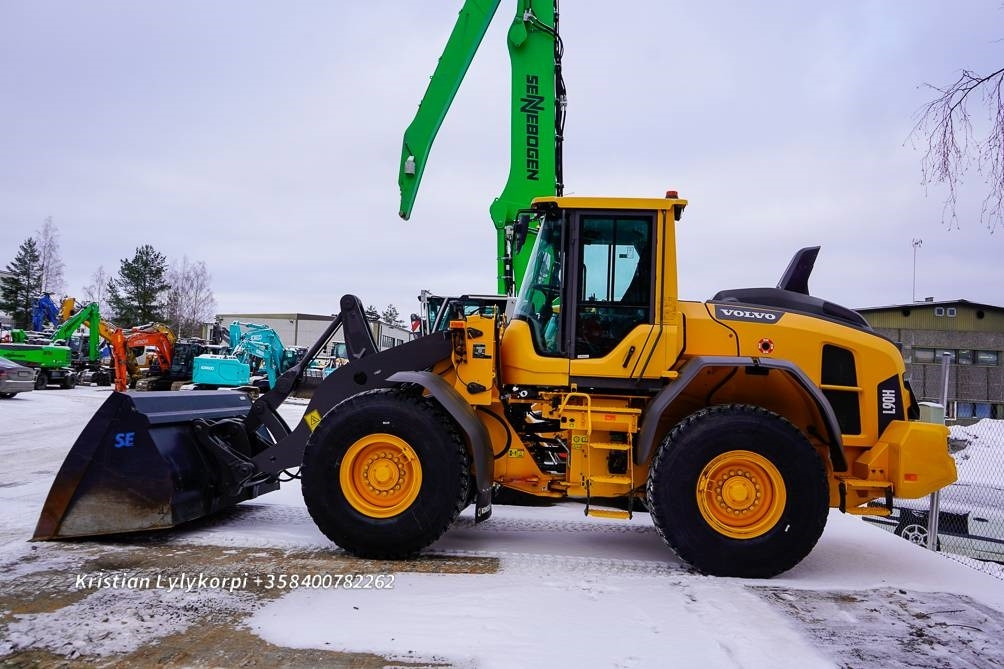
970	520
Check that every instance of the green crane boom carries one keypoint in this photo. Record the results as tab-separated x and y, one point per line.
89	315
537	118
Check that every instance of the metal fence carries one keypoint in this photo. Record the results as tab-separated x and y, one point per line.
970	517
964	520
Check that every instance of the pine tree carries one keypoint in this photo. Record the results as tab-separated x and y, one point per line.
371	313
391	316
136	295
19	291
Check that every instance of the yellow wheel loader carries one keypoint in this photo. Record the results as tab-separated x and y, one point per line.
739	422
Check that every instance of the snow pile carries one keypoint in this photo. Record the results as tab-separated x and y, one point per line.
982	458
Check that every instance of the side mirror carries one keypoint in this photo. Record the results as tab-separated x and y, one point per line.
520	229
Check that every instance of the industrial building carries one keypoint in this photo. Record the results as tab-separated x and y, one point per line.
972	336
296	329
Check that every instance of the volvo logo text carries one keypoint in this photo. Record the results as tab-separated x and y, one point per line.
750	315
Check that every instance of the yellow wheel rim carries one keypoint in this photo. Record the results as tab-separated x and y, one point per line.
380	475
741	494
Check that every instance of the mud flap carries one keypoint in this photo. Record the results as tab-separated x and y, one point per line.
139	465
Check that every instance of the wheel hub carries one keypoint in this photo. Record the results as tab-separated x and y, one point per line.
741	494
380	475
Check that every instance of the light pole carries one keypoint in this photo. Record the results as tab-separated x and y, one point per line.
917	243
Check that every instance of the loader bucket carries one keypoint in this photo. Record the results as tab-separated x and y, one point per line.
138	466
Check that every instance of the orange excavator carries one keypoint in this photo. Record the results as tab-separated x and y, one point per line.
123	342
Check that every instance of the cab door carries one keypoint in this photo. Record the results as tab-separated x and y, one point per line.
612	295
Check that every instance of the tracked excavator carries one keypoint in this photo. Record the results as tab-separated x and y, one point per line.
739	421
157	336
255	349
179	372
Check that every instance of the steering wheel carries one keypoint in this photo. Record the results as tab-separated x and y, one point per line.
590	332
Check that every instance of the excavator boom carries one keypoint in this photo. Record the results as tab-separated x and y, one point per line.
463	43
536	117
89	316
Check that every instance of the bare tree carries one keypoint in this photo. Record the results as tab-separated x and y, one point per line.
945	125
97	290
190	301
52	262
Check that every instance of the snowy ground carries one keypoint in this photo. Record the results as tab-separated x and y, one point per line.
542	586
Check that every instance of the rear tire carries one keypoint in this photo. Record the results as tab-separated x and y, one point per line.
7	396
70	381
738	491
385	474
41	381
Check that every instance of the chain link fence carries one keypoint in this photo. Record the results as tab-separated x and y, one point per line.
970	520
964	520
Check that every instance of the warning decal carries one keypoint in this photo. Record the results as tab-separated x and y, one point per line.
312	418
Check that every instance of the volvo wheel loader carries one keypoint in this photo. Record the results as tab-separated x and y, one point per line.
739	421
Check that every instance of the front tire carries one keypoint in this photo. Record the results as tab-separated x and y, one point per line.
385	474
738	491
41	381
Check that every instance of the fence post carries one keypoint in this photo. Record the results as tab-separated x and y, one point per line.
935	507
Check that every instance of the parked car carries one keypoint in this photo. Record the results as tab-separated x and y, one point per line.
15	378
970	521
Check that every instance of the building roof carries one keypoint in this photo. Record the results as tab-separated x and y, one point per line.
932	303
286	316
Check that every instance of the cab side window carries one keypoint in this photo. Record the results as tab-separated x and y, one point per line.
615	283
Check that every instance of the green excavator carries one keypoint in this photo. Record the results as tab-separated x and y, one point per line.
86	348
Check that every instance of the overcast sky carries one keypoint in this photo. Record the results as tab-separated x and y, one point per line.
264	137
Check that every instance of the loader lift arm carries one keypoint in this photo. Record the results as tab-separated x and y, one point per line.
536	118
282	448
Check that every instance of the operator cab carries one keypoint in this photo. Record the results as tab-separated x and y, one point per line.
609	295
597	271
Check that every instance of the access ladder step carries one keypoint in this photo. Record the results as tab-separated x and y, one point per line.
616	479
609	513
609	446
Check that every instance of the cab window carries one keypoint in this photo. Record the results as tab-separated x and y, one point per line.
615	282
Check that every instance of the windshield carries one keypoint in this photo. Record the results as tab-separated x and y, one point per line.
184	353
539	302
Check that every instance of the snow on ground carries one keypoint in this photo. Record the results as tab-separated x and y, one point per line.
569	589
